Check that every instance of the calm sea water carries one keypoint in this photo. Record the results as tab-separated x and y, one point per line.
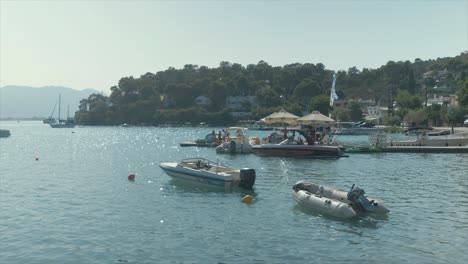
75	205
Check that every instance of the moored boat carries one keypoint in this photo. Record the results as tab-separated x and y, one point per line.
209	141
68	123
205	172
235	141
301	148
336	202
285	149
4	133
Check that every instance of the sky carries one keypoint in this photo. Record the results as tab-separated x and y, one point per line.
92	44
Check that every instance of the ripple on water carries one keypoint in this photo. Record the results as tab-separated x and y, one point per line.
75	204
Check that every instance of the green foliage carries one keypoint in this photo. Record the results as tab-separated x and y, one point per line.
462	93
433	113
406	100
393	129
306	89
161	97
454	116
320	103
354	111
416	117
392	120
340	114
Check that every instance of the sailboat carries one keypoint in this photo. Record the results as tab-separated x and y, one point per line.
68	123
50	119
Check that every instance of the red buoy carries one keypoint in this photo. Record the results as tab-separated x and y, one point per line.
131	177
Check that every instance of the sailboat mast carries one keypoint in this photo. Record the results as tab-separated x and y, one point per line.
60	98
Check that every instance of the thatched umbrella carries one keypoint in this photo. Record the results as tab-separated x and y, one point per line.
281	117
315	118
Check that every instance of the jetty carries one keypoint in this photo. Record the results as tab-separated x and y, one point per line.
426	149
453	143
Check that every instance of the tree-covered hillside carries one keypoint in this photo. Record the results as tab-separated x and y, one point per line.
169	96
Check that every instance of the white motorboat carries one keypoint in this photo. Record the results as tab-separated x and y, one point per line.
203	171
336	202
235	141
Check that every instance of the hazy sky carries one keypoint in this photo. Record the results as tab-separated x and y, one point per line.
92	44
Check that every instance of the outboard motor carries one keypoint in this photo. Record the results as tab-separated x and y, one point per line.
359	201
299	186
232	146
247	178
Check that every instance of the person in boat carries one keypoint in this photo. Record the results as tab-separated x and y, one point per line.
285	133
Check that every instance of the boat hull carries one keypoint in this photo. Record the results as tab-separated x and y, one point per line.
195	144
172	170
210	174
234	148
332	201
62	125
324	205
301	151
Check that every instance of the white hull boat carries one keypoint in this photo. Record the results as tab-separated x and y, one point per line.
235	141
205	172
336	202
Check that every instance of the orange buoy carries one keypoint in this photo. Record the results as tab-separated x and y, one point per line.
131	177
247	199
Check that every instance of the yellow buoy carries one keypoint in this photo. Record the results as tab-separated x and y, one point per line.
247	199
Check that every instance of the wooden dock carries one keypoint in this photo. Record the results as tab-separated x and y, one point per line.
426	149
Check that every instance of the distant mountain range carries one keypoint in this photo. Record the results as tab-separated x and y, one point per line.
38	102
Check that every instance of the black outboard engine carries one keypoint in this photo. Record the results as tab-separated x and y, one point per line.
232	146
359	201
247	178
299	186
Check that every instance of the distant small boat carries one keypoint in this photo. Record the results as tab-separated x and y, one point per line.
209	141
68	123
205	172
236	141
4	133
50	119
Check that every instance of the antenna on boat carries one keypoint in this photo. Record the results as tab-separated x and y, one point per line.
60	98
